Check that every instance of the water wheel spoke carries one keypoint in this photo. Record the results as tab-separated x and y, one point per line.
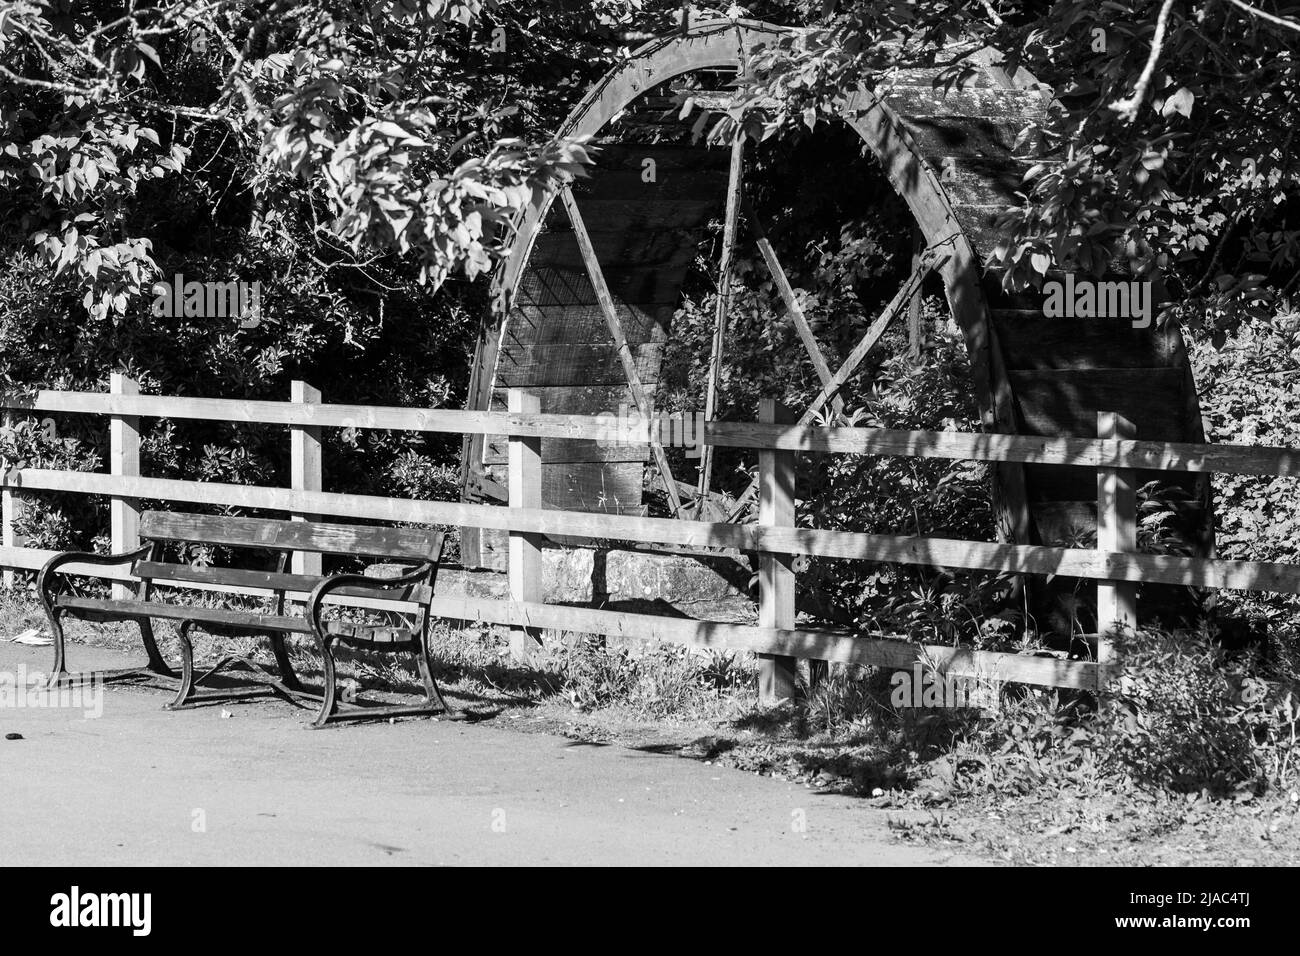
734	190
606	302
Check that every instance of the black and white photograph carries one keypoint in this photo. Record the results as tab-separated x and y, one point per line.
636	433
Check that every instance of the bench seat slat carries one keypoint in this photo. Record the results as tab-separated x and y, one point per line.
181	574
417	544
250	620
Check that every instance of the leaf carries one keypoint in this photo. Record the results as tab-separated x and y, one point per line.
148	51
1179	102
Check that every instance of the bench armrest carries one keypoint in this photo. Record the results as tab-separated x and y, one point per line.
44	581
423	573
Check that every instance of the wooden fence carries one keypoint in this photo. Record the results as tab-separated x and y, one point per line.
1114	563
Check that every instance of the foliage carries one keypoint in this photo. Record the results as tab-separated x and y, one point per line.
1250	395
1173	156
1187	717
923	496
359	161
662	681
325	110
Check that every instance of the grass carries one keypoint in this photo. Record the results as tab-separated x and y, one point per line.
1194	758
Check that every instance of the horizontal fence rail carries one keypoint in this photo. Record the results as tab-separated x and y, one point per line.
528	523
960	446
596	526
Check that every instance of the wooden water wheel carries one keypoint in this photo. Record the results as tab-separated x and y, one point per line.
948	153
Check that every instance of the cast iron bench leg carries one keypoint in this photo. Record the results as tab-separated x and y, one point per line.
329	703
60	674
433	702
56	628
287	675
187	668
156	662
432	695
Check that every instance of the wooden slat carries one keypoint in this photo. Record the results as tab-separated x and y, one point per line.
1027	449
551	285
321	537
592	364
33	559
238	578
839	647
576	324
187	612
840	545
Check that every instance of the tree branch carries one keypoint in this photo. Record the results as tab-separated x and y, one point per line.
1127	109
66	88
1279	21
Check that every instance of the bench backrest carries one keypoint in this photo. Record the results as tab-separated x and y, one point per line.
411	544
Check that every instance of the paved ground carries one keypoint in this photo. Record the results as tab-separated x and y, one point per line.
140	785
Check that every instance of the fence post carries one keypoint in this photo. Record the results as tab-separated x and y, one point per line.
1116	531
304	468
776	674
525	491
123	462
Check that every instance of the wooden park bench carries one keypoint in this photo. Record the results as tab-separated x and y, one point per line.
403	631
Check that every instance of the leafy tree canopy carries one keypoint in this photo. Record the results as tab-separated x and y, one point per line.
1168	149
385	125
